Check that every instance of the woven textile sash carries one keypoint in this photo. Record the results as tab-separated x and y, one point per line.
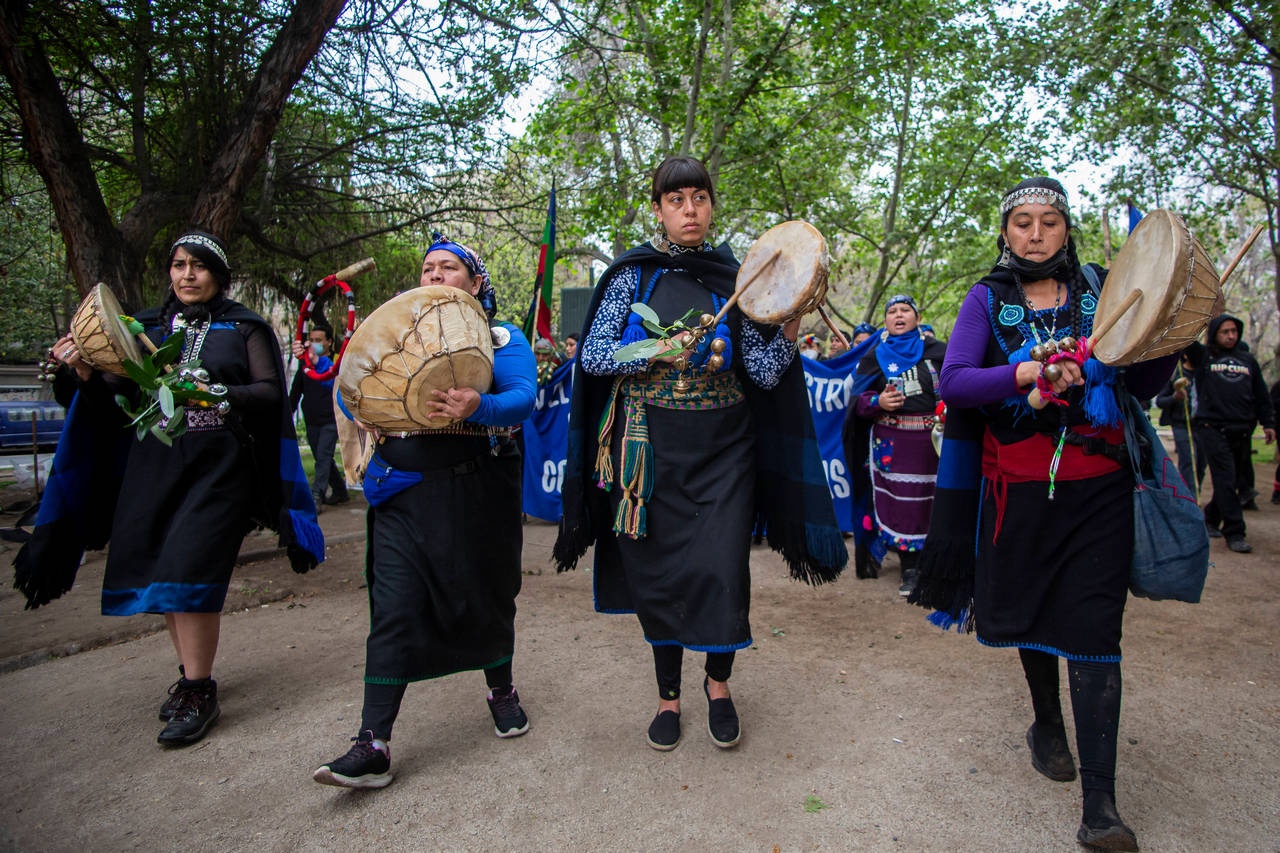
655	387
910	422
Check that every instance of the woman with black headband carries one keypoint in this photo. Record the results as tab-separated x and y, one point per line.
667	479
895	415
443	560
183	510
1049	493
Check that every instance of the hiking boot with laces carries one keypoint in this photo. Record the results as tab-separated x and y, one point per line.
171	704
367	764
195	709
509	719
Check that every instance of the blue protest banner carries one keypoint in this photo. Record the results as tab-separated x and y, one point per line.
832	386
546	436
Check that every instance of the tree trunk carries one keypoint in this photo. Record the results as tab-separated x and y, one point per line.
97	248
219	202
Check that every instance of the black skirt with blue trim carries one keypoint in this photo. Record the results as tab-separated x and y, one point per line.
1056	579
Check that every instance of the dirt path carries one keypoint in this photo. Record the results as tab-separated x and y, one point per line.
864	727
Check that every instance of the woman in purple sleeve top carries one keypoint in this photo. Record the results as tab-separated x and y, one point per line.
444	539
1048	492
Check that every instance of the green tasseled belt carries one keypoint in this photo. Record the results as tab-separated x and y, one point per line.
656	387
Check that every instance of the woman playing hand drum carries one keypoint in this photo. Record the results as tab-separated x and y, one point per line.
667	481
444	538
1055	514
183	510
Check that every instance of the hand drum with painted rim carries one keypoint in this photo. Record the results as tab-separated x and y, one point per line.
426	339
784	273
101	336
1179	287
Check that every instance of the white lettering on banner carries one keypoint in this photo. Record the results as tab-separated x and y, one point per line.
560	397
828	395
837	481
552	476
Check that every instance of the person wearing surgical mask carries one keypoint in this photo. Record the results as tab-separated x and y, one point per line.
328	485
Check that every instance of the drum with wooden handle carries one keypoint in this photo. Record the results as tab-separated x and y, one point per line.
1160	294
426	339
100	335
1179	290
784	275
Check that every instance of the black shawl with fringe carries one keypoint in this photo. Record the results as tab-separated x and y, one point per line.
793	503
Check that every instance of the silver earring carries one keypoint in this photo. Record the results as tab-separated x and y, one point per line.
660	241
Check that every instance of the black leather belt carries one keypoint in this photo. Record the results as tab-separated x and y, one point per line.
1092	445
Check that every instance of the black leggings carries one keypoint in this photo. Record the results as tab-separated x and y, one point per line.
1095	706
382	701
668	661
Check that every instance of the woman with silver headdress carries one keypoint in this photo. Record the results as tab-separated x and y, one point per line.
183	509
1048	492
443	559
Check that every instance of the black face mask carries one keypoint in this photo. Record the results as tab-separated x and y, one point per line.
1059	266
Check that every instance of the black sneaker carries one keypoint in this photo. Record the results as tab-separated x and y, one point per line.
1239	544
664	731
366	765
171	704
1251	505
1275	496
195	710
509	719
722	720
910	577
1214	533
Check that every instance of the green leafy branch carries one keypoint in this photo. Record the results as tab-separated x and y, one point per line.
166	390
650	347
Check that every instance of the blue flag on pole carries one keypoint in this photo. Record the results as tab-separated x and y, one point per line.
1135	216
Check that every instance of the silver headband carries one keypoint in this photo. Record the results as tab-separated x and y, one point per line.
1035	195
201	240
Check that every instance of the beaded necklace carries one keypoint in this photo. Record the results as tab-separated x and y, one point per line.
193	337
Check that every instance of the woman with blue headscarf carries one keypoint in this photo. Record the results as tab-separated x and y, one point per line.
444	540
900	406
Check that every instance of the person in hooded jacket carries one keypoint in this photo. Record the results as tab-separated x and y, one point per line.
1231	400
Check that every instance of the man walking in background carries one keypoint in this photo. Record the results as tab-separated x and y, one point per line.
328	486
1231	399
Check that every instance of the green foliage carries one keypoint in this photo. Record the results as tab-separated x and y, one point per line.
813	805
37	296
382	135
1181	96
651	347
166	389
891	127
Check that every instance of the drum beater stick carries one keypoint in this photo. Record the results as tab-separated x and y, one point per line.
832	326
733	300
1231	267
693	336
